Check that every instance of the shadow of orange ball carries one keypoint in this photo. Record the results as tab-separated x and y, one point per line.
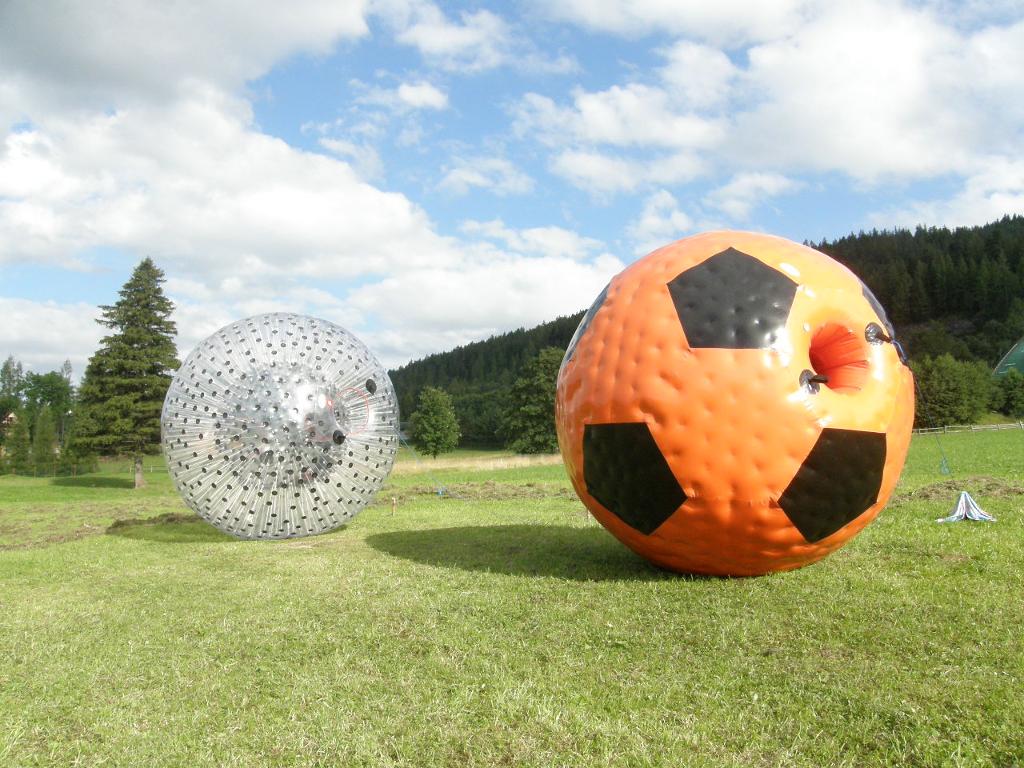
734	404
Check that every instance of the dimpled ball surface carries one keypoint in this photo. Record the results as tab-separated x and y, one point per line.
732	404
279	425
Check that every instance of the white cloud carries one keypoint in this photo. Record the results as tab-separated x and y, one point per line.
193	185
243	223
93	55
975	13
138	137
494	173
745	191
365	159
595	172
622	116
477	41
551	242
422	96
994	190
42	334
406	97
602	174
698	76
659	223
495	293
878	92
480	41
728	22
867	89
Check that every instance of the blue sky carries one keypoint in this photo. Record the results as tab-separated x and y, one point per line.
427	174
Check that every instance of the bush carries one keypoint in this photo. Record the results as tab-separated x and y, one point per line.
435	429
529	425
1011	387
950	391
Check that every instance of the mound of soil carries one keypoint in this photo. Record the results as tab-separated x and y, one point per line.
169	517
979	486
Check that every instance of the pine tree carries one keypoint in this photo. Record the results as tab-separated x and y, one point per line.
435	429
920	306
18	450
125	382
44	442
529	425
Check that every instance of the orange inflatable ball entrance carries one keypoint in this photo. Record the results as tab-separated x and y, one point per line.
734	404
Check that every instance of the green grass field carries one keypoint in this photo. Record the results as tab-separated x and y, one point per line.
501	626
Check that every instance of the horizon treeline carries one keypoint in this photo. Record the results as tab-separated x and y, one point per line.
956	292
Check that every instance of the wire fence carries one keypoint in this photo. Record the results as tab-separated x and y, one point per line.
969	428
58	469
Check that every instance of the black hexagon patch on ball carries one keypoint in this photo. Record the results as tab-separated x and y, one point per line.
732	301
838	481
625	471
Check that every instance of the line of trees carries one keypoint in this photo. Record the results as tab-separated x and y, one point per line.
525	414
36	421
955	296
951	391
47	426
958	292
480	378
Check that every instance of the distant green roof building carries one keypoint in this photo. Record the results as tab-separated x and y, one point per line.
1012	360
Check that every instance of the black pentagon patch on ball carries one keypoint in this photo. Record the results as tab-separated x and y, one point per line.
732	301
625	471
838	481
584	324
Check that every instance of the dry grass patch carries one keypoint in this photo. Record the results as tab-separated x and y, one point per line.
477	463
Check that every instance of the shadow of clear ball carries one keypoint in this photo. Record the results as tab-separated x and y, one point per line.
279	426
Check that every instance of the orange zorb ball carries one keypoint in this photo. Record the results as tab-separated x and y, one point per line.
734	404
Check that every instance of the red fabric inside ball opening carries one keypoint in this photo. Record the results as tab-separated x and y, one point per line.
842	355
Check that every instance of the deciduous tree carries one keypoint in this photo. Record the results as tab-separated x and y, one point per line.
529	425
435	429
950	391
1012	386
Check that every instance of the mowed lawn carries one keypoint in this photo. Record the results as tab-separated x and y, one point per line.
498	625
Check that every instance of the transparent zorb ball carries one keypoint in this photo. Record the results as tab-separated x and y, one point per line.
279	425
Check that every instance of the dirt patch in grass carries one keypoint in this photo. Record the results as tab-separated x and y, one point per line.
169	517
485	491
978	486
43	538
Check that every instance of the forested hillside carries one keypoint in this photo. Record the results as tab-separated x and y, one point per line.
957	291
478	376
